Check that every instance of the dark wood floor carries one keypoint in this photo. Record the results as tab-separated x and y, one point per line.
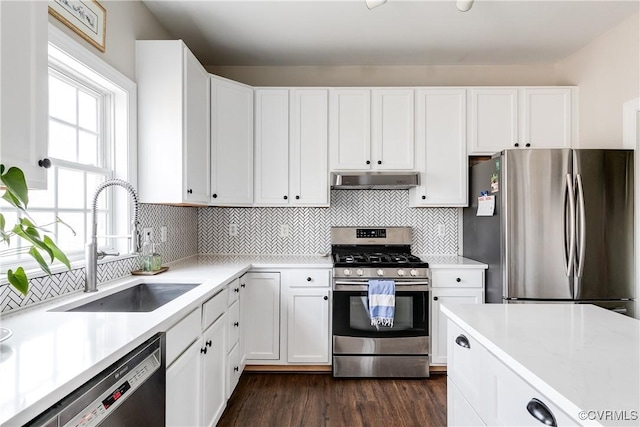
283	400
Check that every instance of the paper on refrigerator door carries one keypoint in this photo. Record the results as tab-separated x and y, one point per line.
486	205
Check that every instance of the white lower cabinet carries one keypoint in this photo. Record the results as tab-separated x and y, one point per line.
287	317
213	353
308	325
451	286
459	411
201	349
183	388
481	390
261	302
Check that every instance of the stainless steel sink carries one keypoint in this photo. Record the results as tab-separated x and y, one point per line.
144	297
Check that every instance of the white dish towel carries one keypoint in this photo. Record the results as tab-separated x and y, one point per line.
382	302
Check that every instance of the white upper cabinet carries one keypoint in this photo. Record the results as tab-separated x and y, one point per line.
272	146
291	147
527	117
308	163
350	129
231	143
392	142
546	118
173	124
24	88
441	148
371	129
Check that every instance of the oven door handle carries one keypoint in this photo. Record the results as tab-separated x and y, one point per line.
342	285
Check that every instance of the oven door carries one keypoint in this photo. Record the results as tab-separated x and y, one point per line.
351	312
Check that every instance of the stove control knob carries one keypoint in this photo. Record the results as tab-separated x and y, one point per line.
380	272
347	272
400	272
359	272
413	272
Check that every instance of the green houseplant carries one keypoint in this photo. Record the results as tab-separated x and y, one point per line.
40	246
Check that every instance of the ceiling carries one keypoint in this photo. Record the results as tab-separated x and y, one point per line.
400	32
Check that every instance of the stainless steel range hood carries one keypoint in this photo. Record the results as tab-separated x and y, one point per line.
373	180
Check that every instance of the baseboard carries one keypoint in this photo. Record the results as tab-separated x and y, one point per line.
309	369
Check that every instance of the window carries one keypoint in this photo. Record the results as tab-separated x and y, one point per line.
91	139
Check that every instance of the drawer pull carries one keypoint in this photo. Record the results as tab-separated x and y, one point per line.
236	324
208	343
203	350
236	290
458	279
463	341
236	369
308	279
541	412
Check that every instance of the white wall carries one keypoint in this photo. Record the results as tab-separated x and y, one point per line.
127	21
607	71
441	75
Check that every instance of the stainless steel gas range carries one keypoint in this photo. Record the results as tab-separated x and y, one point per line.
362	350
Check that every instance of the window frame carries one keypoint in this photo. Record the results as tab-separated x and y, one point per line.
62	49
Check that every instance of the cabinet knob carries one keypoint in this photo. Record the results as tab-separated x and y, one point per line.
44	163
208	343
458	279
325	297
527	145
435	298
236	290
516	145
203	350
297	197
243	285
379	162
190	191
463	341
285	197
308	279
541	412
368	162
236	369
424	197
215	196
236	324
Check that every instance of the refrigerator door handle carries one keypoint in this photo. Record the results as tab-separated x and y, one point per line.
583	228
569	194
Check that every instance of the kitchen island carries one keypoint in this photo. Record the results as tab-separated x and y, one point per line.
564	364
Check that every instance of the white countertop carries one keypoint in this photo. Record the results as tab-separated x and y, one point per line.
52	353
451	261
582	357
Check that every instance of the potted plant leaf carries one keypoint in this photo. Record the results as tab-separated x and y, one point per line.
39	245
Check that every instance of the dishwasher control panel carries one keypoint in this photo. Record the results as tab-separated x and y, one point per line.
108	401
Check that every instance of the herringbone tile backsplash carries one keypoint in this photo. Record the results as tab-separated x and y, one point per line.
206	230
309	228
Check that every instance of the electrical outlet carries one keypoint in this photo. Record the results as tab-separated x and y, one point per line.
284	231
163	233
149	231
441	230
233	230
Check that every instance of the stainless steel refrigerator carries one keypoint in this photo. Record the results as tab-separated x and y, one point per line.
562	229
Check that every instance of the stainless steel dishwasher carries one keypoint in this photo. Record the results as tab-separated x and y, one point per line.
131	392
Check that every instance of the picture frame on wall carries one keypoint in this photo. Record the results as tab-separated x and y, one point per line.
87	18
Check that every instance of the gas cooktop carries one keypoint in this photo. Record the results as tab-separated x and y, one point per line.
377	259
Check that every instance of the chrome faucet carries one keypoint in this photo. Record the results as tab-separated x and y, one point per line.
91	253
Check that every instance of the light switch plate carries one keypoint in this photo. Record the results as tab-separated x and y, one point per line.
149	231
233	230
284	230
163	233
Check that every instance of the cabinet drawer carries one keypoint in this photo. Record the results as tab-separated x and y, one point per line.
233	325
511	401
303	278
234	292
214	307
464	362
182	334
457	278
